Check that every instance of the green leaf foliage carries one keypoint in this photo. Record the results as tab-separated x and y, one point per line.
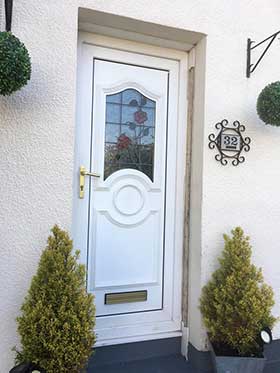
58	315
236	303
268	104
15	64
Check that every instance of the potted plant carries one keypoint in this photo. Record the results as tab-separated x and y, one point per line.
58	315
268	104
236	306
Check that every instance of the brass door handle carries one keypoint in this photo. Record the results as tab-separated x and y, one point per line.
83	173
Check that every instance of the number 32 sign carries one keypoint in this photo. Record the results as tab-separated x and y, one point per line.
229	142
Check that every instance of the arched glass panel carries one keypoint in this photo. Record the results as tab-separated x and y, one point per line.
129	133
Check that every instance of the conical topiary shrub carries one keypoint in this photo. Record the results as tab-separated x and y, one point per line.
236	304
58	316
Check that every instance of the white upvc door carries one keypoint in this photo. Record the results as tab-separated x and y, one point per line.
124	224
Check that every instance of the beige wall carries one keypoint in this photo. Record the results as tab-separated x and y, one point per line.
37	137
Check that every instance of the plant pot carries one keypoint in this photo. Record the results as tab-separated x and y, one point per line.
235	364
27	368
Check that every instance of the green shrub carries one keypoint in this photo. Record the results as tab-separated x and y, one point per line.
268	104
15	64
236	304
58	316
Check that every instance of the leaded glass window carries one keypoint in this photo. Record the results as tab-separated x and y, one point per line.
129	133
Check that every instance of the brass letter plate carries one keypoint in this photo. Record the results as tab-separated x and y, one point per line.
127	297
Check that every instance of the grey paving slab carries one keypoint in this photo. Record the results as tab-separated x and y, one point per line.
166	364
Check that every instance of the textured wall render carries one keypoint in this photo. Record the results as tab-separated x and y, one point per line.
36	147
37	136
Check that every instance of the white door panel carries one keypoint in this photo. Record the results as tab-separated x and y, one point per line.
127	203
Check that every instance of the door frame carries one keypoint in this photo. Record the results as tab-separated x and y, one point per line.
173	327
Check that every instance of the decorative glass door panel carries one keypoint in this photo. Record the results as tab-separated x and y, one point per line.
129	133
127	203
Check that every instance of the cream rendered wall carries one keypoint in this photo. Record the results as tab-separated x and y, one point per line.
37	137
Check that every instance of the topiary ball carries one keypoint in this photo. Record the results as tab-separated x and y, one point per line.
15	64
268	104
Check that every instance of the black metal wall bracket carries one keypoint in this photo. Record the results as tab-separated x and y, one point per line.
251	67
8	14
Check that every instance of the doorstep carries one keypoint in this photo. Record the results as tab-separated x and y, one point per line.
166	364
156	356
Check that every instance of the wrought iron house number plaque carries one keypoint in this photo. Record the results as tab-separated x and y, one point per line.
229	142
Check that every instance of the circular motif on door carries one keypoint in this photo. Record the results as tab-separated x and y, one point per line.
129	200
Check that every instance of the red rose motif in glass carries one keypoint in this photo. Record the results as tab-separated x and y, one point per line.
140	116
123	142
